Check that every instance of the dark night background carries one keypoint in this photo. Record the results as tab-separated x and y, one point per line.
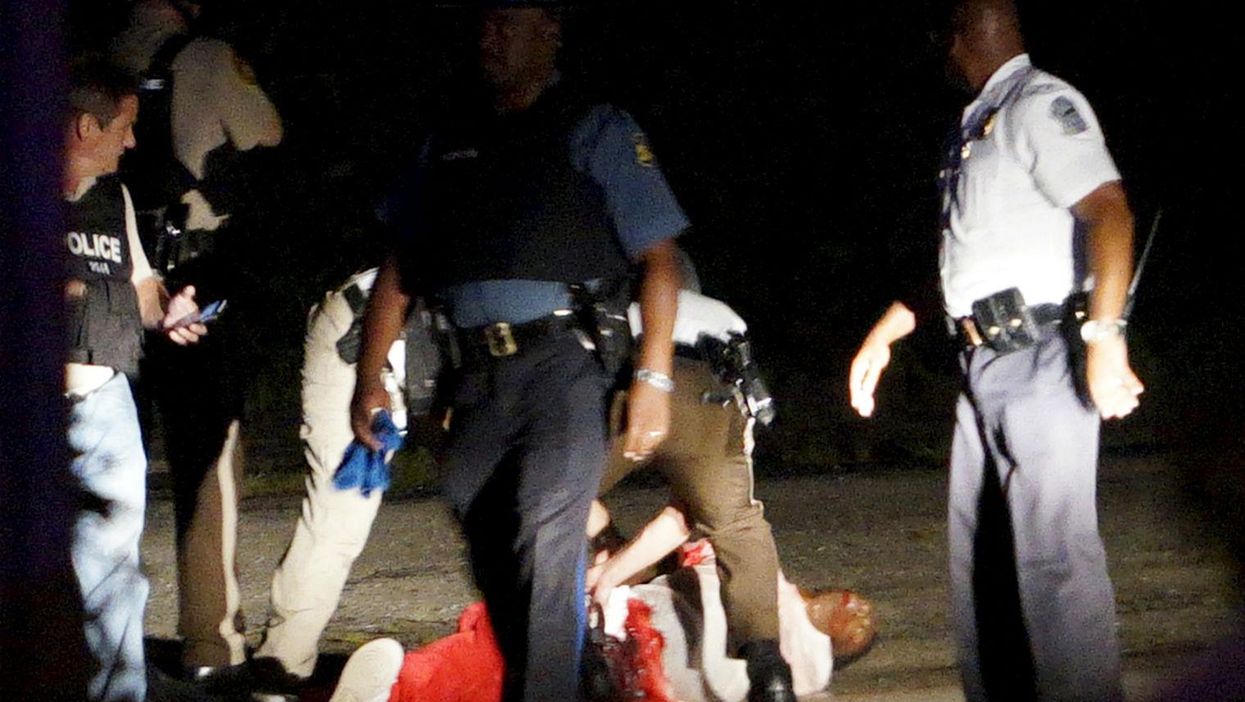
803	142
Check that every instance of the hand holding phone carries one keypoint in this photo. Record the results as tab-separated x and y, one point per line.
205	314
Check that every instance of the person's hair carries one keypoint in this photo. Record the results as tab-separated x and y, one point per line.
96	88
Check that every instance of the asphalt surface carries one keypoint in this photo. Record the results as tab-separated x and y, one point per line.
878	531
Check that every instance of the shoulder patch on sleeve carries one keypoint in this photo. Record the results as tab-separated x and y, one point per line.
643	152
1064	111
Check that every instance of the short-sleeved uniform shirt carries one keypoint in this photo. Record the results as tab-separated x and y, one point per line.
1030	148
610	147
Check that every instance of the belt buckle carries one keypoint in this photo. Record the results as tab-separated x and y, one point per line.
500	340
968	325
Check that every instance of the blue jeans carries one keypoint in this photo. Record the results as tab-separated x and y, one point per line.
111	467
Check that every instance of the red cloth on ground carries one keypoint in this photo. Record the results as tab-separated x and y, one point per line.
462	667
647	681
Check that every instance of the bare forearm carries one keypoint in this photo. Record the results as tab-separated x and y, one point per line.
153	300
666	532
897	322
382	323
1110	248
598	519
659	302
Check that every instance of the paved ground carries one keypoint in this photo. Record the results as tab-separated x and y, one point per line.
877	531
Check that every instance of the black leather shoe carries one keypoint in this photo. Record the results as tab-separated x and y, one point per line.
769	675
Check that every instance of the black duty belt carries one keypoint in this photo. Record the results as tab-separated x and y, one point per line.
503	339
969	332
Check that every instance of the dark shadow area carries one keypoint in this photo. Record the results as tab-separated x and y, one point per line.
803	143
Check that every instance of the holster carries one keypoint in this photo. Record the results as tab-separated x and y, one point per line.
1005	322
602	314
1076	312
431	349
734	366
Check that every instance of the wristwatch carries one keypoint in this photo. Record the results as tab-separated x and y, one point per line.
1096	330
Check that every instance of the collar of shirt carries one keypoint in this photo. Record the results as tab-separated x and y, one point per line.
1013	65
999	80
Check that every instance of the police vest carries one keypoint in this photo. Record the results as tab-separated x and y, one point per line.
105	327
500	199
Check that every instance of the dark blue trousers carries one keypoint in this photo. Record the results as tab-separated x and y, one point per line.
522	465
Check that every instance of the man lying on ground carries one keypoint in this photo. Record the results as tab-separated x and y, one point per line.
684	608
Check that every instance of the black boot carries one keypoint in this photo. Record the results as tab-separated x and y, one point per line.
768	673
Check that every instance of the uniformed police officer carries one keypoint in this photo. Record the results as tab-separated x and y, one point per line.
112	295
218	114
334	524
1028	170
536	190
707	460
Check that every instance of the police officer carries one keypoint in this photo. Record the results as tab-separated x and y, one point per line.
707	460
334	524
219	118
516	201
1028	169
112	295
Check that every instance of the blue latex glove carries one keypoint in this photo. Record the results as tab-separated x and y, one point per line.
364	468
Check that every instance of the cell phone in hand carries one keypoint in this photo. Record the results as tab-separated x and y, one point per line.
205	314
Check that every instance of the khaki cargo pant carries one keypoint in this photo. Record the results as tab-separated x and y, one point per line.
334	525
707	460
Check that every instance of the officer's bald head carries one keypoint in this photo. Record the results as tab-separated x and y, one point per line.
984	35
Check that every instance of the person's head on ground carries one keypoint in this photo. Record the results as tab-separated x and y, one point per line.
103	107
983	35
844	616
519	45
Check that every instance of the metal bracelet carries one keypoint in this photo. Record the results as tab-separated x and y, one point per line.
1096	330
661	381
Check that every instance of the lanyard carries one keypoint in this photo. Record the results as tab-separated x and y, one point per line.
959	149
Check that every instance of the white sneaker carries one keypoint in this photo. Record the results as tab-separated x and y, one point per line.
370	672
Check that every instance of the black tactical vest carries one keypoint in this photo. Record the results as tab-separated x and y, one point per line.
105	328
500	199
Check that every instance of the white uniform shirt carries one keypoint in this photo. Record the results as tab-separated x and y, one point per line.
698	315
1031	148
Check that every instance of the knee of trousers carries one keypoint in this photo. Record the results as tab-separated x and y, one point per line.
343	530
1062	556
735	520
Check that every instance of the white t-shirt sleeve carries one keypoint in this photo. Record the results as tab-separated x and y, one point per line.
698	315
1061	141
142	268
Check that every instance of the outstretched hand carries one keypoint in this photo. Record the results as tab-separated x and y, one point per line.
866	370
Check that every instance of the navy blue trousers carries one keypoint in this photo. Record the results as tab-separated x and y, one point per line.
522	465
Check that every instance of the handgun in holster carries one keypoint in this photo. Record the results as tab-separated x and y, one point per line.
733	364
602	315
